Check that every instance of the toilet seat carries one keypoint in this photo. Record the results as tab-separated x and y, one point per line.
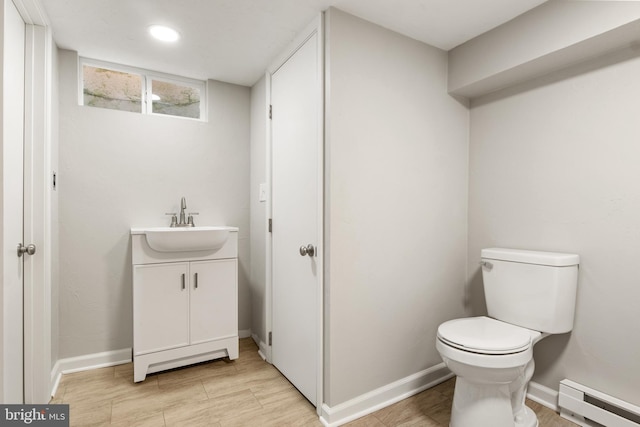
484	335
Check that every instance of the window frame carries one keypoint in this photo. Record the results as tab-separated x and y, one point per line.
147	76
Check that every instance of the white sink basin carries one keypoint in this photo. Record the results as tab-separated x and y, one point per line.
186	239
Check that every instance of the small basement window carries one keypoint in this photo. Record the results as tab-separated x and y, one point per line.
175	99
123	88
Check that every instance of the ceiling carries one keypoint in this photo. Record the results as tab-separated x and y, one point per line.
235	40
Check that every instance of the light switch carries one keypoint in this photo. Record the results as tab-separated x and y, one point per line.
263	192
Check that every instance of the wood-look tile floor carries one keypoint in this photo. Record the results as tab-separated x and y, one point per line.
243	392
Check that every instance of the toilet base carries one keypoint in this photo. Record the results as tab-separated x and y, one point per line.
486	405
529	420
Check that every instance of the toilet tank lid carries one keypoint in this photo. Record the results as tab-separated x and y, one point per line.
555	259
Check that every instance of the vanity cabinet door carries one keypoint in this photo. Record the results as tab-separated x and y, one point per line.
214	300
160	307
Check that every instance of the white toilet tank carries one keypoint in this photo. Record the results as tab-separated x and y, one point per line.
535	290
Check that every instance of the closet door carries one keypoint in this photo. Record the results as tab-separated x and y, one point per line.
296	233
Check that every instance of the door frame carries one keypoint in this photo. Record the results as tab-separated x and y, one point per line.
37	276
315	27
13	127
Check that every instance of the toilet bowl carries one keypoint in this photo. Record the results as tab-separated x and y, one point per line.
493	361
529	295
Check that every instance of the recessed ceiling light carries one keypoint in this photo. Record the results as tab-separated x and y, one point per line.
163	33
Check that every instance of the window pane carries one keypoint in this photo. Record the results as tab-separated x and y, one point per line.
112	89
175	99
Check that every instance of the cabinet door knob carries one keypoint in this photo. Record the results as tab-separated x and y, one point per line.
195	281
183	281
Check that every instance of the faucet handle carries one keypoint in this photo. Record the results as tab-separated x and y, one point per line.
174	219
190	218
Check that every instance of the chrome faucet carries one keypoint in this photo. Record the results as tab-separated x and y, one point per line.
183	206
182	223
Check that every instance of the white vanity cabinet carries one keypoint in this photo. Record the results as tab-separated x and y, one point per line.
185	306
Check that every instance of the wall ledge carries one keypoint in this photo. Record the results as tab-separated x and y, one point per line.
627	36
551	37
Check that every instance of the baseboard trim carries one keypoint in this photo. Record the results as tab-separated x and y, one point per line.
543	395
383	396
87	362
56	375
99	360
262	346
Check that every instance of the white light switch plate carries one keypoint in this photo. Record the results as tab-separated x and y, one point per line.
263	192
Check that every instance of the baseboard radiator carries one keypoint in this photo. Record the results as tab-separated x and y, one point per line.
590	408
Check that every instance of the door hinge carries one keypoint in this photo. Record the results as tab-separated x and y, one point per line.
270	225
270	341
271	111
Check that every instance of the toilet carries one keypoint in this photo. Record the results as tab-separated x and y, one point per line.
530	295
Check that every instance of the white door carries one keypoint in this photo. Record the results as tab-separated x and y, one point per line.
12	211
296	104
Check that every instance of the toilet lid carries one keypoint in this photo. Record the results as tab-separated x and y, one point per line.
484	335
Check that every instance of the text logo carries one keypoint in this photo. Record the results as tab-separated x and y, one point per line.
34	415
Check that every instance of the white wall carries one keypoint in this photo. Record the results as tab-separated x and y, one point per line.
554	166
396	206
119	170
257	279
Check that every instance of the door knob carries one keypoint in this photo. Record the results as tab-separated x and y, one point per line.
307	250
29	249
